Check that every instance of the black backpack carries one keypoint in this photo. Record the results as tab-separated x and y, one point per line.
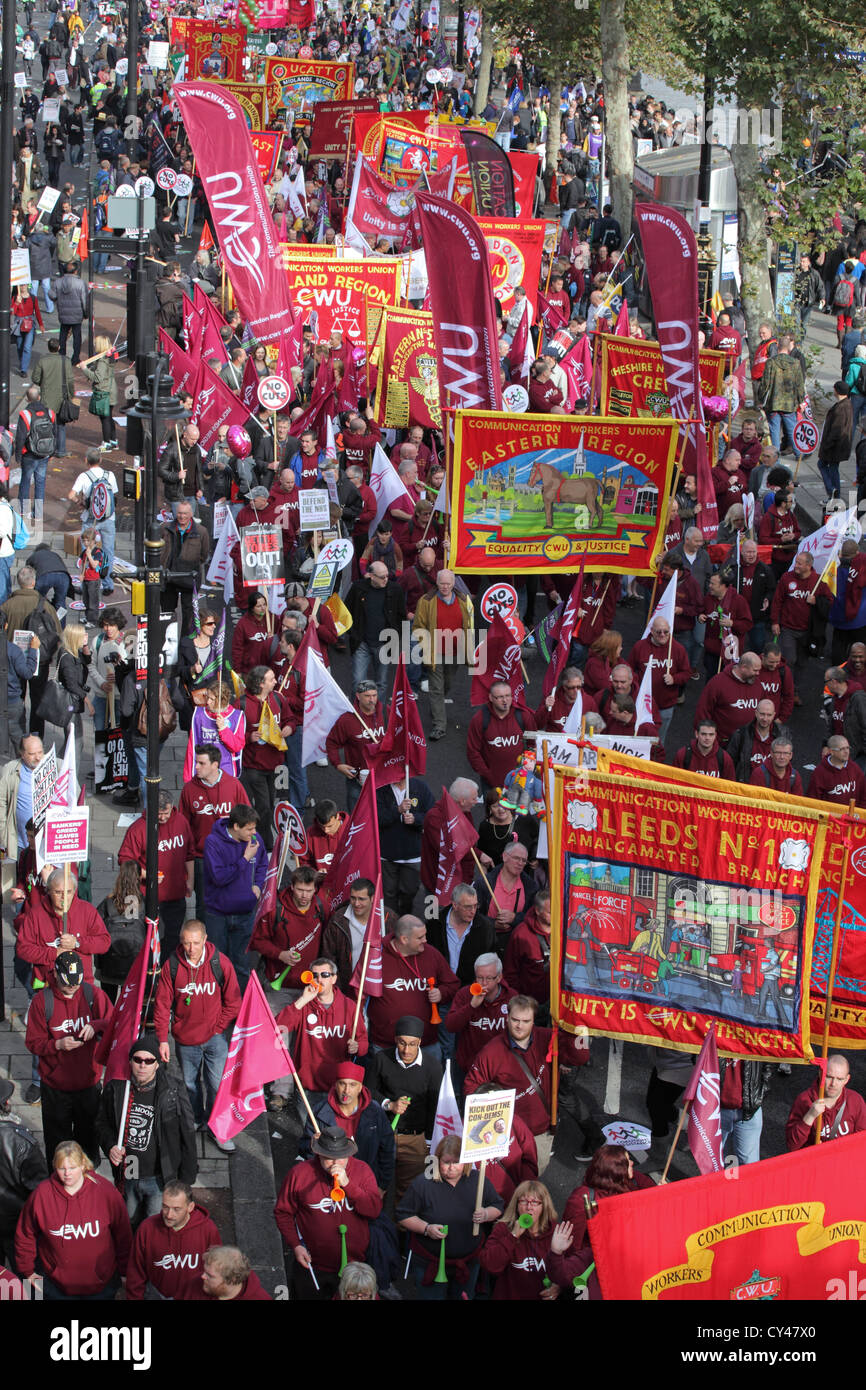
48	996
486	715
860	383
40	623
687	760
41	436
216	968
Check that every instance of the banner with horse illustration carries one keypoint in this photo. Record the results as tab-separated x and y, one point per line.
676	908
633	377
536	493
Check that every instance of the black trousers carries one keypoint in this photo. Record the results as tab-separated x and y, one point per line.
259	787
70	1115
170	595
400	884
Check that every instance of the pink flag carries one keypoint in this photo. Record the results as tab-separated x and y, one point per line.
215	405
212	322
704	1091
183	368
257	1055
564	633
112	1051
457	836
227	166
577	365
500	659
357	851
191	327
267	904
404	748
373	978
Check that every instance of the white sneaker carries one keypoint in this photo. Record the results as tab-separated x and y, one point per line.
321	762
425	686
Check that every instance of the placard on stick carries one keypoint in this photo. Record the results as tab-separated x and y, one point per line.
314	506
67	835
487	1121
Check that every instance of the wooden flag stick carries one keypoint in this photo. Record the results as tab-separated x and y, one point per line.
831	973
683	1113
486	879
479	1193
360	998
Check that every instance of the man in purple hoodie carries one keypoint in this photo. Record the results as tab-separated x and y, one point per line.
235	864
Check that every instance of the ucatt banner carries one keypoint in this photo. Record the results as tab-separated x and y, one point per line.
789	1228
633	377
541	492
214	52
299	84
514	246
408	371
334	288
678	908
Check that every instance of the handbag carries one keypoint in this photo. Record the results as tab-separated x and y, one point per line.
69	410
100	403
55	705
26	323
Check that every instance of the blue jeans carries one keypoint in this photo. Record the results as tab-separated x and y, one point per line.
778	418
46	290
5	577
230	933
206	1060
858	405
138	1191
746	1134
366	662
76	155
36	469
100	706
55	582
24	342
107	530
830	476
299	788
99	264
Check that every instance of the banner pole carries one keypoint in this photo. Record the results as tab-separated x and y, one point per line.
480	869
189	202
554	985
834	961
479	1193
683	1113
360	998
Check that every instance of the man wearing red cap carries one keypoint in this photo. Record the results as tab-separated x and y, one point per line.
322	1021
349	1105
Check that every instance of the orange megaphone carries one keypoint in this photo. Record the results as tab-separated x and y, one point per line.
337	1193
435	1016
476	989
307	979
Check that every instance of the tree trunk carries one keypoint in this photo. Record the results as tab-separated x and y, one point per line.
618	138
485	66
752	240
557	81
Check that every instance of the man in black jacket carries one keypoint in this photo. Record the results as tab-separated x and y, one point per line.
185	552
461	933
746	1083
378	608
350	1106
401	824
22	1169
158	1140
757	583
406	1083
750	745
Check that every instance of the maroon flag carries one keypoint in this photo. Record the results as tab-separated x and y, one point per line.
622	327
500	658
291	348
671	256
564	633
376	208
183	368
321	407
112	1051
212	322
373	976
491	174
464	325
553	317
703	1095
357	851
403	750
520	355
351	386
257	1054
215	405
309	643
457	836
577	365
250	386
267	904
191	327
227	166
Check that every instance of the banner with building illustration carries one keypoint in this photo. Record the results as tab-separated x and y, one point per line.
633	377
676	908
334	288
536	493
408	370
214	52
297	84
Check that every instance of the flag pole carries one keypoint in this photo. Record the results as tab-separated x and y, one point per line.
479	1192
302	1093
554	1040
683	1113
834	961
360	998
480	869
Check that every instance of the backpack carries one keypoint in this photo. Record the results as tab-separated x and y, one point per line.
48	996
40	623
41	436
100	503
106	145
687	760
486	713
860	383
216	968
791	775
843	295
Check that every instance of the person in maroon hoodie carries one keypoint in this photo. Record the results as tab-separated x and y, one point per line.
419	578
226	1275
323	835
176	855
527	955
730	699
74	1227
837	777
478	1013
332	1189
748	445
360	438
688	604
408	966
252	635
283	497
724	611
261	759
419	450
799	593
730	481
595	614
780	528
671	672
556	707
518	1255
206	798
321	1021
198	997
704	754
294	934
353	734
259	510
839	1111
361	529
41	935
65	1021
611	1172
169	1248
776	682
777	772
604	656
494	742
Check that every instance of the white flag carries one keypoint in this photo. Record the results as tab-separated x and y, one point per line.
665	607
824	545
571	727
324	702
386	486
294	191
330	441
443	501
448	1120
66	789
220	570
643	705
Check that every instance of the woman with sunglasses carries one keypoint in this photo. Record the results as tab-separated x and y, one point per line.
193	673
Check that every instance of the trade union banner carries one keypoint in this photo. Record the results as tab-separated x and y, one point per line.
408	370
298	84
514	247
524	165
252	100
267	146
214	52
334	288
332	126
788	1228
537	493
633	377
678	908
848	1009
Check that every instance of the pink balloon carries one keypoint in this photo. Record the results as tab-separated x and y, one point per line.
715	408
239	442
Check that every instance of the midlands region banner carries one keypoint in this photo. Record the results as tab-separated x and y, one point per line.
298	84
788	1228
535	493
335	289
678	908
633	377
407	371
514	247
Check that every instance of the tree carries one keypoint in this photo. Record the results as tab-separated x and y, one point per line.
615	75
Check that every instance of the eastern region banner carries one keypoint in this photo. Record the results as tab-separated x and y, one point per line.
633	377
514	246
252	100
408	369
334	288
332	126
298	84
676	908
536	493
267	145
789	1228
214	51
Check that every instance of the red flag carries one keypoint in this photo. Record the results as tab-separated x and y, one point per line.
212	322
227	166
191	327
564	633
520	355
249	386
705	1115
457	836
621	327
852	955
183	368
112	1051
205	241
215	405
577	365
671	255
321	407
404	747
500	659
373	981
83	234
464	326
357	851
553	317
257	1055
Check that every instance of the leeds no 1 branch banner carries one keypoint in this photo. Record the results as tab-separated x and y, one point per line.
540	492
633	377
676	908
789	1228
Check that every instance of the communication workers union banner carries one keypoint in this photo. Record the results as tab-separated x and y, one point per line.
848	1009
337	289
633	377
678	907
536	493
788	1228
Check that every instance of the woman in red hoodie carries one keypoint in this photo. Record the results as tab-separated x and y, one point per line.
74	1231
518	1248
